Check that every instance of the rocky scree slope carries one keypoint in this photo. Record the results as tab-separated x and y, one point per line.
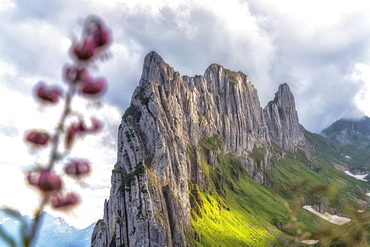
149	202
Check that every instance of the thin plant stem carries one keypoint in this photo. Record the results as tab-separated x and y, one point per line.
37	219
54	156
60	126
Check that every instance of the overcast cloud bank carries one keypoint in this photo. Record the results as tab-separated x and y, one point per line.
320	48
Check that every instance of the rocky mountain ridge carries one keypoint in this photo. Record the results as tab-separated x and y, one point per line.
169	118
349	131
353	139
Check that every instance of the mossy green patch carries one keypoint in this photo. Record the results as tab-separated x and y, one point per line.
128	179
141	95
231	76
196	201
258	155
211	143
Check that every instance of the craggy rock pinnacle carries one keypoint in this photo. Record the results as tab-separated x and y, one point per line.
282	120
149	199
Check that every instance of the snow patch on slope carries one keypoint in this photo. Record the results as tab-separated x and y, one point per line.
359	177
335	219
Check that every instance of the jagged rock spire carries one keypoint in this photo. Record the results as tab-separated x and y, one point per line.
153	66
282	120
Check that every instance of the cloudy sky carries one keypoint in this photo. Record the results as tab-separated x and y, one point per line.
319	47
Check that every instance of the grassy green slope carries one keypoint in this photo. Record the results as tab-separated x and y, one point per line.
332	163
360	157
236	211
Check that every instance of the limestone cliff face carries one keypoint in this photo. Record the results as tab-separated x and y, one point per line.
282	120
149	199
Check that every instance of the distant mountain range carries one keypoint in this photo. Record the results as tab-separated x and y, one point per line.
353	139
54	231
349	132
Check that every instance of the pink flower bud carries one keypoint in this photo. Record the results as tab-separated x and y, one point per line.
78	168
93	86
37	138
59	201
51	94
45	180
85	50
102	36
73	130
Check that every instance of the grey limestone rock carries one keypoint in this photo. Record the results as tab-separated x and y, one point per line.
282	120
149	199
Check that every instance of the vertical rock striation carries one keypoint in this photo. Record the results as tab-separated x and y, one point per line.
282	120
149	199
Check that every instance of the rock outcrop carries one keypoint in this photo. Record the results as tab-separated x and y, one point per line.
282	120
149	199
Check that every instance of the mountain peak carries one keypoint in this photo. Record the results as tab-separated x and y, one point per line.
282	119
153	57
284	96
365	118
349	131
284	89
154	68
174	126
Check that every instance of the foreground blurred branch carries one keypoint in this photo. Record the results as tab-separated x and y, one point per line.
95	39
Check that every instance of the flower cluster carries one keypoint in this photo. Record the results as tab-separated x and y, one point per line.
94	41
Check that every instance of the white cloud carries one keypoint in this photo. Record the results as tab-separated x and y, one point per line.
317	46
362	99
314	46
7	5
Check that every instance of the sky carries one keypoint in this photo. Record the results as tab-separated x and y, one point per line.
320	48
